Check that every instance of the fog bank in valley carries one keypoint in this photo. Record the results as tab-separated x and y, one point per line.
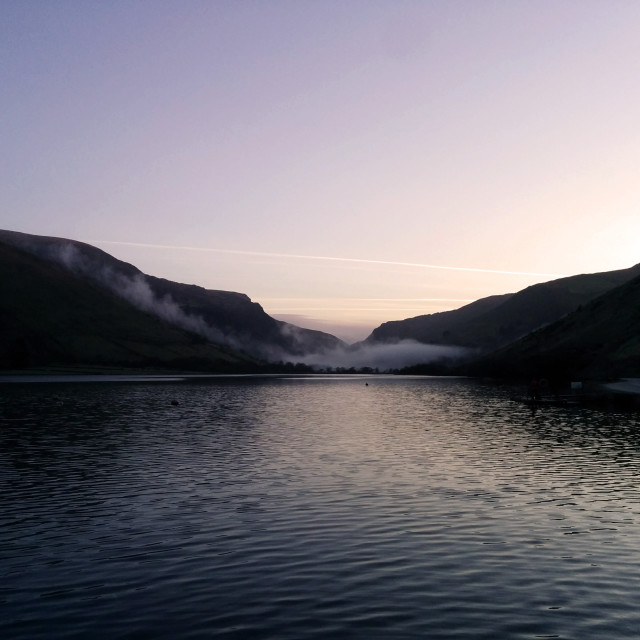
383	357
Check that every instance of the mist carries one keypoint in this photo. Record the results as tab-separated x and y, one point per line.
136	290
383	357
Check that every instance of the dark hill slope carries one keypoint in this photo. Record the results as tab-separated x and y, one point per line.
493	322
49	316
448	327
599	340
224	317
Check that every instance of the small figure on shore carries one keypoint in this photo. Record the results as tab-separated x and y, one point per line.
534	389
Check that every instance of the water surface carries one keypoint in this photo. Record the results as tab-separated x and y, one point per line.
314	507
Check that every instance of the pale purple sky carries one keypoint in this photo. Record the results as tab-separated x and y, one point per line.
245	145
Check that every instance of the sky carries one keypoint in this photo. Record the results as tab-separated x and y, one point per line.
342	162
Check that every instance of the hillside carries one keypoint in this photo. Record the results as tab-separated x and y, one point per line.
448	327
51	316
223	317
68	303
491	323
599	340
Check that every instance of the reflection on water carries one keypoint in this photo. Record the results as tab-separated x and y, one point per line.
313	508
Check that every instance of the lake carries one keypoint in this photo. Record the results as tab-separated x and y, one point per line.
314	507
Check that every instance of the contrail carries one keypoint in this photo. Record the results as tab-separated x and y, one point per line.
330	258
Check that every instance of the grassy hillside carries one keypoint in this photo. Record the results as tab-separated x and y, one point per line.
50	316
599	340
493	322
458	327
223	317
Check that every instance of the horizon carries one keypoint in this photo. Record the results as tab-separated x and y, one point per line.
342	164
351	334
348	331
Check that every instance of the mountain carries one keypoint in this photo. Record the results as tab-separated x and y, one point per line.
69	303
600	339
493	322
65	299
51	317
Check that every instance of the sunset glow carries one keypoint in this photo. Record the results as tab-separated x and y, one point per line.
341	163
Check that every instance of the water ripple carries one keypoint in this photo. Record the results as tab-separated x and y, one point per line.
265	508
